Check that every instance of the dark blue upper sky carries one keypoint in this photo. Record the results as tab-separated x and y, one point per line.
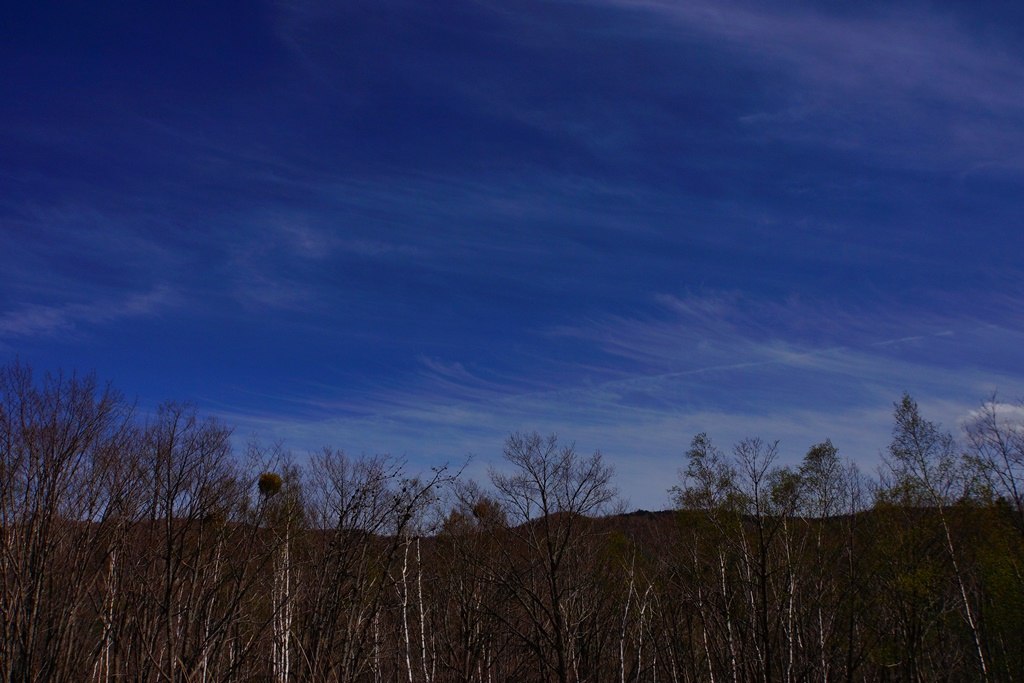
412	227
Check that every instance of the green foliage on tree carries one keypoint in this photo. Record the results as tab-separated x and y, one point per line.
144	548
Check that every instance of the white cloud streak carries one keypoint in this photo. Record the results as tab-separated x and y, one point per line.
643	419
73	318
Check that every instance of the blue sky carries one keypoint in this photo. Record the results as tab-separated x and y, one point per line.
413	227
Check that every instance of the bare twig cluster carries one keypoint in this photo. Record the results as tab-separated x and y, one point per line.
145	549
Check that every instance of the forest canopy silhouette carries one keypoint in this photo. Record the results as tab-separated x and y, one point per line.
145	548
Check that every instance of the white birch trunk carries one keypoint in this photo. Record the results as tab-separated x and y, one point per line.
427	669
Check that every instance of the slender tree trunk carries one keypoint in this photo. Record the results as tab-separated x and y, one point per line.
427	669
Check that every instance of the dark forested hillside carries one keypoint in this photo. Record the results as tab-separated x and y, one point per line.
143	548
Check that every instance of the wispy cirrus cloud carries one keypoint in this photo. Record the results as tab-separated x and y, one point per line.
413	226
718	364
76	319
911	87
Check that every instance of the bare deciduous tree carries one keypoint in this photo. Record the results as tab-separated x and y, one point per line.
549	494
60	496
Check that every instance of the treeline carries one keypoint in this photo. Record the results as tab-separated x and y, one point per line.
142	548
